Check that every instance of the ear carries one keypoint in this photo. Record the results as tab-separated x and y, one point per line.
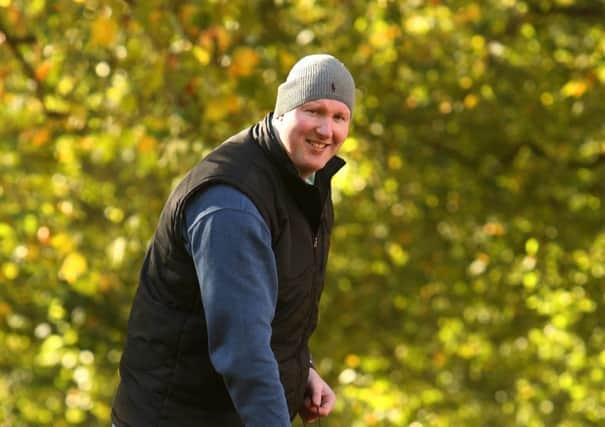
278	121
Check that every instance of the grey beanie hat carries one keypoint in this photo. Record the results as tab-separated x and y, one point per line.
315	77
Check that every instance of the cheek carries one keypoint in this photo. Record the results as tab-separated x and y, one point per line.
340	137
306	129
299	132
337	147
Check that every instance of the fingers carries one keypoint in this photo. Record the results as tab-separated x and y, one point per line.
308	413
316	397
319	401
327	402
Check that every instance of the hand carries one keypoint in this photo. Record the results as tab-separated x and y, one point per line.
319	399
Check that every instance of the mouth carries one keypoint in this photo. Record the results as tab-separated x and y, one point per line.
317	145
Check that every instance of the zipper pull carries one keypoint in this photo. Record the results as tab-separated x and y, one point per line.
315	241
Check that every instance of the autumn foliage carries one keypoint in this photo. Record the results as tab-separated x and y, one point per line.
467	270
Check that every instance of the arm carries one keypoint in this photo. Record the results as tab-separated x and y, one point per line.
319	398
231	248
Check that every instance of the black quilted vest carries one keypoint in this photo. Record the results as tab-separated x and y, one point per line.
166	375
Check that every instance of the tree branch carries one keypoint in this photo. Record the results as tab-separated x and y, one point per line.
461	158
595	11
13	45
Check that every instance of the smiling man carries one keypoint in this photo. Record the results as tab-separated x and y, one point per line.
230	286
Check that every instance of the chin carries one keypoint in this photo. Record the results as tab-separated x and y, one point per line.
315	165
315	168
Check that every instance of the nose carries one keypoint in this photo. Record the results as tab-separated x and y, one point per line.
324	129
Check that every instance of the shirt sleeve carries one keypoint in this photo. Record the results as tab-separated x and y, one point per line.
231	247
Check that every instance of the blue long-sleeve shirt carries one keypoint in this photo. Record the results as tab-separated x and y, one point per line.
231	248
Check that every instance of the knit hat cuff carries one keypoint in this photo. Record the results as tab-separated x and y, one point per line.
326	78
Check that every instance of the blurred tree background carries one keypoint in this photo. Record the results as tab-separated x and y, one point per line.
467	273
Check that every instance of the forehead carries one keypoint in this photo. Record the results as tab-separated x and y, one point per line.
327	104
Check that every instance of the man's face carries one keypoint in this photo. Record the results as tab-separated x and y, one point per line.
313	133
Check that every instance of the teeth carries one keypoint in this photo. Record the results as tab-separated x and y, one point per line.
318	145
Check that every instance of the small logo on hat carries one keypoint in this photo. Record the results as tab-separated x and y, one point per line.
333	87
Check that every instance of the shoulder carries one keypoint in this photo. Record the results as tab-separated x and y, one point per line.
216	198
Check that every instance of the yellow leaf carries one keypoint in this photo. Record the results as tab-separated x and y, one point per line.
5	309
41	137
147	144
575	88
465	82
202	55
350	145
50	351
218	108
56	311
114	214
531	246
286	60
418	25
43	235
10	270
478	43
352	361
397	254
214	37
187	13
75	415
470	101
471	13
494	229
73	267
547	99
601	73
370	419
394	161
116	251
222	38
104	31
42	70
155	17
215	110
530	280
88	286
243	62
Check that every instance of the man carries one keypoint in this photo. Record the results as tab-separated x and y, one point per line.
230	286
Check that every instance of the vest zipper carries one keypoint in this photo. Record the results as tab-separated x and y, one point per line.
305	336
